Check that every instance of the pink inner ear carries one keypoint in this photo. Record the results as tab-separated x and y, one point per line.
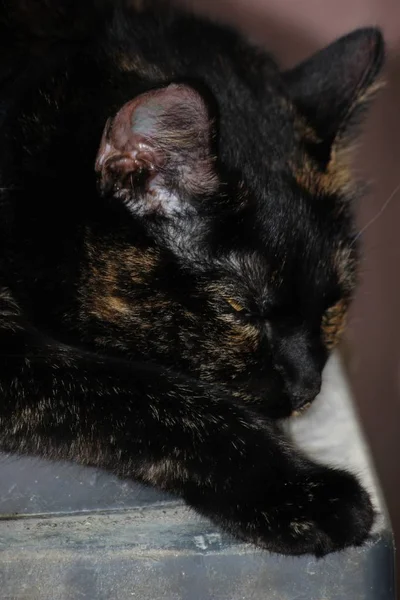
164	133
121	147
141	125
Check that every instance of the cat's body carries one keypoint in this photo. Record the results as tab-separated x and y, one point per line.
177	258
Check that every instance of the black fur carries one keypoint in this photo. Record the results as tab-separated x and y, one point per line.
177	257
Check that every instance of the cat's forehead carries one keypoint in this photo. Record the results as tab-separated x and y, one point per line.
257	245
261	136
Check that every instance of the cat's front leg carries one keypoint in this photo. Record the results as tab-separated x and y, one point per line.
155	426
291	506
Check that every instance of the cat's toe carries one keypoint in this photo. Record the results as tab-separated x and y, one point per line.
319	515
343	513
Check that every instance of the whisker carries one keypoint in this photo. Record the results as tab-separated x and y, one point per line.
379	213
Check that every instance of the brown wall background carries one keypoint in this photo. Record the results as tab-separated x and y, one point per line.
293	29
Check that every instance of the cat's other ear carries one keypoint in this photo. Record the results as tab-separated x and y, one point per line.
334	86
156	153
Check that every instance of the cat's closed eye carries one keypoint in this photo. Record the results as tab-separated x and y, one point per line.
246	315
235	305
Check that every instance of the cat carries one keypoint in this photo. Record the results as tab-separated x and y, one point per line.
178	255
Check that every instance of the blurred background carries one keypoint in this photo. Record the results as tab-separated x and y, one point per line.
293	29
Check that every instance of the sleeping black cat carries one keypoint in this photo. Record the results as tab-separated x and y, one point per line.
178	255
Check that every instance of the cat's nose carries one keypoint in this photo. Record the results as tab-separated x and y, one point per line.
303	392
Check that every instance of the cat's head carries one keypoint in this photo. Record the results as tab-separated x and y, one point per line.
231	252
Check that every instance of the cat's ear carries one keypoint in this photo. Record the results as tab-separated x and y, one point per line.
156	153
333	87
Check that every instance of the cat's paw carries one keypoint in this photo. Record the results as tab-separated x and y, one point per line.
324	511
328	512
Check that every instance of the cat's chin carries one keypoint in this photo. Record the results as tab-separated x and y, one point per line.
283	410
298	412
286	411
